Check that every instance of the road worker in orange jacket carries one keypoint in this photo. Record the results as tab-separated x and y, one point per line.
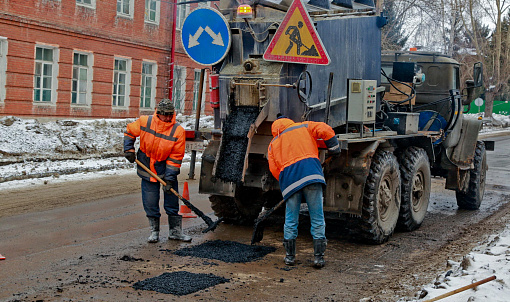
162	144
294	161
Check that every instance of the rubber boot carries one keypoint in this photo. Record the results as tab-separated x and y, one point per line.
290	250
319	247
154	223
175	227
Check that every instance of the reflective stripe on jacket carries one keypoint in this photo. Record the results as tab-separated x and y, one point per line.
293	155
161	146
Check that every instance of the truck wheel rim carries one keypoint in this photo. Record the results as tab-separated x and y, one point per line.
385	197
418	190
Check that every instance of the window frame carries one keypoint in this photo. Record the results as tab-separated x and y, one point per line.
204	4
54	75
88	67
91	5
179	80
153	85
4	48
181	9
127	83
157	12
131	5
196	89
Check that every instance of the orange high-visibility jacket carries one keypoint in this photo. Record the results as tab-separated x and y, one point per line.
161	146
293	155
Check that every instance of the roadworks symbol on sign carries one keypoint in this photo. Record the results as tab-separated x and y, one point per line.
296	40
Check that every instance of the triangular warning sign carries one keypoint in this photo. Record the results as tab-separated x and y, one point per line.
296	40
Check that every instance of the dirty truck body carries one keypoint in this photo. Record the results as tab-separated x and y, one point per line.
382	178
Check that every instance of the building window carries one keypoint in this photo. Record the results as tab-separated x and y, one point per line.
125	8
45	78
86	3
182	12
148	94
196	90
3	67
152	8
82	79
179	88
121	83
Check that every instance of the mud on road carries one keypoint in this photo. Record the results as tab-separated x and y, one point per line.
70	242
105	262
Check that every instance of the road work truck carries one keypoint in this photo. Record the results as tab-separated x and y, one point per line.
397	115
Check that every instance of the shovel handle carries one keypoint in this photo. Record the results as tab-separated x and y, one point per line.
207	220
150	172
458	290
157	177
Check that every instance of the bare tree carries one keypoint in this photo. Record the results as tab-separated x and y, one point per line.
497	66
459	28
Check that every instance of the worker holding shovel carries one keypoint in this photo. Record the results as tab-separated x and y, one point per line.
162	144
294	161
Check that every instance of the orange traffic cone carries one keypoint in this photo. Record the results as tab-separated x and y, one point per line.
184	211
2	257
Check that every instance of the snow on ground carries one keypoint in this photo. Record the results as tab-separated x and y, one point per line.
35	153
31	149
490	258
498	123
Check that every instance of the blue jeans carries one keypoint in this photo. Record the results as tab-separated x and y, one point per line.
313	197
150	199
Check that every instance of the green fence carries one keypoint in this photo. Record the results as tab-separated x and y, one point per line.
500	107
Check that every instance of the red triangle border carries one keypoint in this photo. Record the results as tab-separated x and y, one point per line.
324	60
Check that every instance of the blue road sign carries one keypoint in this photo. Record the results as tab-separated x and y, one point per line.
205	36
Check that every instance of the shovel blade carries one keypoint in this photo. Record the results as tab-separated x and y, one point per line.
258	232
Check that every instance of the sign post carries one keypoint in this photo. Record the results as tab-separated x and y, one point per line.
205	37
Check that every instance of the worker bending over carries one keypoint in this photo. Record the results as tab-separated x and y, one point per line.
294	161
162	143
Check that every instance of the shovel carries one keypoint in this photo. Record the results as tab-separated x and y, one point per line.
211	225
258	228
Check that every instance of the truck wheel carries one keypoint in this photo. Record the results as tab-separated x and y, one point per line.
240	210
472	197
381	199
415	188
224	206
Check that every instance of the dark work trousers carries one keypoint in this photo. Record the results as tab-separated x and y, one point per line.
150	198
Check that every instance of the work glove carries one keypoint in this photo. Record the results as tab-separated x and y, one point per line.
130	156
334	153
169	183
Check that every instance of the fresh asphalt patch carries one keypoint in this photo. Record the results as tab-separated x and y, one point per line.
226	251
179	283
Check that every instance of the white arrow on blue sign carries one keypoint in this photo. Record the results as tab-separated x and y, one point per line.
205	36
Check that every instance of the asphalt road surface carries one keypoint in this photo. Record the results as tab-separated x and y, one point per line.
86	241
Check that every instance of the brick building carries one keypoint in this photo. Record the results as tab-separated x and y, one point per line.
92	59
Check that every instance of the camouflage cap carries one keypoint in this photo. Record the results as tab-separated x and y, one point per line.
165	107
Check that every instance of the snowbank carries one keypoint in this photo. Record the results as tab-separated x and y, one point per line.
489	259
32	149
491	124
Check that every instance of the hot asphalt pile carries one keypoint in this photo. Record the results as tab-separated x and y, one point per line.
179	283
234	143
226	251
